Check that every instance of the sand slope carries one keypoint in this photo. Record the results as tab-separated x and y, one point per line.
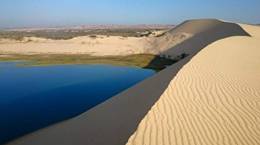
213	100
203	33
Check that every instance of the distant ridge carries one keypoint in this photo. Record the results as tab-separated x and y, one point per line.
94	27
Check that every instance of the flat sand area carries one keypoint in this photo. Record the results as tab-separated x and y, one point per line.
99	46
213	100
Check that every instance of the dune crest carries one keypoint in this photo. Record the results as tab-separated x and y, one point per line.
214	99
201	33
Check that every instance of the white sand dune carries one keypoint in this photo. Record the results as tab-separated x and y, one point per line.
214	99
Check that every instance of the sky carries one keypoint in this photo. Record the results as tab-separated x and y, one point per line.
48	13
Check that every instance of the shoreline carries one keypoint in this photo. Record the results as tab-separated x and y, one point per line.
147	61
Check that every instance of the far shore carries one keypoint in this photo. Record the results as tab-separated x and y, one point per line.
147	61
129	47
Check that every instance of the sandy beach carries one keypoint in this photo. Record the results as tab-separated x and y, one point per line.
210	97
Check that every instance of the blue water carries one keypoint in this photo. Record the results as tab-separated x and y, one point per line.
35	97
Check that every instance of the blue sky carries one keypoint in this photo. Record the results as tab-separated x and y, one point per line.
38	13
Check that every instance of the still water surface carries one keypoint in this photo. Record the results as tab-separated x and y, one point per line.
35	97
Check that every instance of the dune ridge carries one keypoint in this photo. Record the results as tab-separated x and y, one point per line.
203	33
214	99
114	121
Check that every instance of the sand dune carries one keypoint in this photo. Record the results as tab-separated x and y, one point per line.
203	33
213	99
99	46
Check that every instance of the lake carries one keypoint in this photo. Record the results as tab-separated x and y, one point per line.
33	97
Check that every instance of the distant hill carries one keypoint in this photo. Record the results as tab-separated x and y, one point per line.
94	27
75	31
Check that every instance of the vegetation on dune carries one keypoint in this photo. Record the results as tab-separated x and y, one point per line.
69	34
139	60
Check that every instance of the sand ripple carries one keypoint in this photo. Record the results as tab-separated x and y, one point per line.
214	99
